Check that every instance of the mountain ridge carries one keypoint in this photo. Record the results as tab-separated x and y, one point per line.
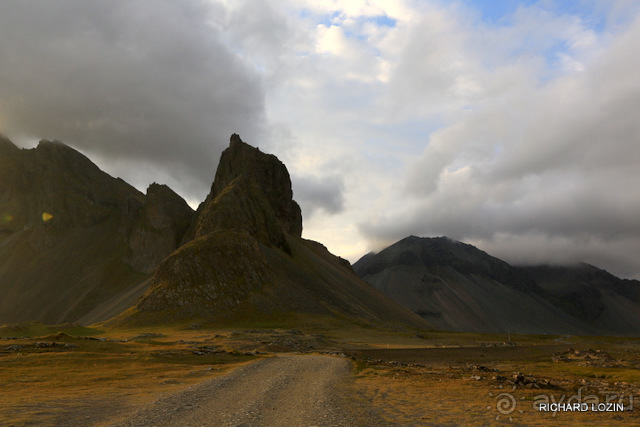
72	236
80	245
459	287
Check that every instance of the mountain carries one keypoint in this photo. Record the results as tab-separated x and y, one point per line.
76	243
243	258
459	287
594	296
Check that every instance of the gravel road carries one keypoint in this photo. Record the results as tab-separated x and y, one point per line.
287	390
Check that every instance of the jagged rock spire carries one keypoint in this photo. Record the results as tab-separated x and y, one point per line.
251	192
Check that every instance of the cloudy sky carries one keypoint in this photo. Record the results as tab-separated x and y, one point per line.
511	125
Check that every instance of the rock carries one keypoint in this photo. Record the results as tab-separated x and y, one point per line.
251	193
158	228
481	368
6	146
250	204
14	347
519	379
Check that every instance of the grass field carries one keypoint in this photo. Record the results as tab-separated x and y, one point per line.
64	374
96	377
474	380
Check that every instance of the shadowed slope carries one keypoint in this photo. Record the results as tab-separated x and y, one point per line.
72	237
605	302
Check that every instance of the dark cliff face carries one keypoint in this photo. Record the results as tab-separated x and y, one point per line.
242	162
53	188
72	236
251	193
6	147
589	294
160	224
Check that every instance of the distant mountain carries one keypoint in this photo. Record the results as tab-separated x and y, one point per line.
244	258
605	302
76	243
456	286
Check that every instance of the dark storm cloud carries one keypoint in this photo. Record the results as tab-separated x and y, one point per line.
313	193
140	82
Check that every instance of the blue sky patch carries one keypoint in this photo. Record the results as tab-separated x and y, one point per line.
496	12
326	20
383	21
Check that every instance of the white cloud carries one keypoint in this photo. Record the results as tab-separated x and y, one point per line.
539	160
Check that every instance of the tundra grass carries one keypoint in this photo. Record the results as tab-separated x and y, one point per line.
410	377
45	379
421	389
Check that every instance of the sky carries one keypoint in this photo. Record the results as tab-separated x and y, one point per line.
510	125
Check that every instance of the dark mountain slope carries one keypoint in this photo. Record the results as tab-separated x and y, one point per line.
459	287
71	236
245	258
159	226
592	295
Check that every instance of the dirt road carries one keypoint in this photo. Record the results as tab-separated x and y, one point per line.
288	390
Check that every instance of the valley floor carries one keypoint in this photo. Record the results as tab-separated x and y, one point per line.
342	376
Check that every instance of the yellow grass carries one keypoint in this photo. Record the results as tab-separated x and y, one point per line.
438	380
449	392
100	378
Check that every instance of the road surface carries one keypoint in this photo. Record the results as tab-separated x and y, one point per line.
287	390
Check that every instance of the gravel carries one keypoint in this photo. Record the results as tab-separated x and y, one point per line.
287	390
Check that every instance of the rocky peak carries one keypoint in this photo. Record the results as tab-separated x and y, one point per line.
244	257
251	192
7	146
54	189
63	157
158	228
162	201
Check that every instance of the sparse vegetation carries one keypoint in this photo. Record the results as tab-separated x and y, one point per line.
406	376
78	374
458	382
